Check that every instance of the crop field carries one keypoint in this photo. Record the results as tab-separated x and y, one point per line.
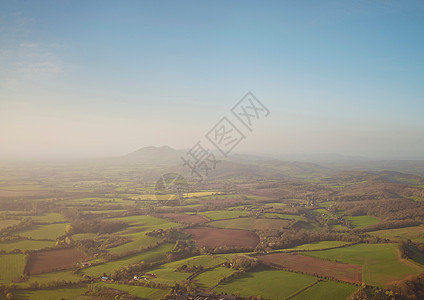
317	246
54	260
25	245
186	218
361	221
251	224
223	214
156	254
8	223
310	265
138	291
213	237
11	267
47	232
67	275
380	262
327	290
414	233
270	284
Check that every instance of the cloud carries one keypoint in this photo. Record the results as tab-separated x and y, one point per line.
43	67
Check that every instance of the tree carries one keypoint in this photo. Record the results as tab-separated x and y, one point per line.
9	296
69	229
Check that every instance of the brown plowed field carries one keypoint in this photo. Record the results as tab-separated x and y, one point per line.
194	219
214	237
312	265
52	260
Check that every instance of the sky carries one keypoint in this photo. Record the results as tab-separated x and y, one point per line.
104	78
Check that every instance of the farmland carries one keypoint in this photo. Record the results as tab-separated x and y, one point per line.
211	238
255	238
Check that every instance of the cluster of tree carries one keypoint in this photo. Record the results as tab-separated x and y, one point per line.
130	271
7	292
24	223
182	249
103	292
189	269
35	285
241	262
389	224
291	238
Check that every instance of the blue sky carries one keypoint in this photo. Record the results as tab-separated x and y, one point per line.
85	78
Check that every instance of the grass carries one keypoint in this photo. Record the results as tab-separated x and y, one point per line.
223	214
25	245
283	216
138	241
414	233
381	263
156	254
138	291
48	232
8	223
11	267
361	221
49	277
212	277
146	223
251	223
317	246
327	290
66	293
49	218
268	283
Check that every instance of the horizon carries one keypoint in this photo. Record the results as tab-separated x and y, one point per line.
98	79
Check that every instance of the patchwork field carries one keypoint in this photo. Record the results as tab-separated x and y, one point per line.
361	221
223	214
310	265
251	224
212	277
186	218
381	263
138	291
156	254
212	237
25	245
414	233
8	223
270	284
317	246
327	290
54	260
44	232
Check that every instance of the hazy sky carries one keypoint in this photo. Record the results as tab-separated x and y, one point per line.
85	78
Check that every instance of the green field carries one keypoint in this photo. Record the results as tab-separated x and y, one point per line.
223	214
49	277
251	224
138	241
8	223
270	284
66	293
156	254
361	221
138	291
283	216
414	233
25	245
49	218
146	223
212	277
48	232
327	290
381	263
11	267
317	246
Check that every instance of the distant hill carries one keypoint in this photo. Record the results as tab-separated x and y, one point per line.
155	155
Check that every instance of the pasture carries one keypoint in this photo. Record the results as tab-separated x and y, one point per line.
138	291
361	221
414	233
327	290
25	245
268	283
44	232
54	260
223	214
11	267
212	277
